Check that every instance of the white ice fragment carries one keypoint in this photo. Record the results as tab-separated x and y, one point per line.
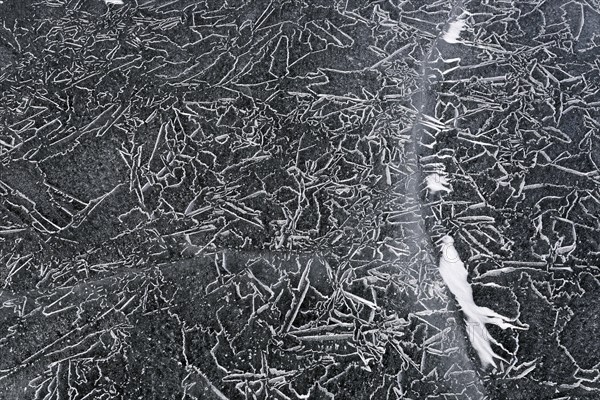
454	29
454	274
436	183
117	2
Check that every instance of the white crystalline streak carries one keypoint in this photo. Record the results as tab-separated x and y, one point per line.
436	183
454	30
117	2
454	273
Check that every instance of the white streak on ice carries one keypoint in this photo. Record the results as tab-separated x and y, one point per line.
454	30
454	273
117	2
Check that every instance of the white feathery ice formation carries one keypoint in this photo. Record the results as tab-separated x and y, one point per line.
454	274
437	183
453	32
